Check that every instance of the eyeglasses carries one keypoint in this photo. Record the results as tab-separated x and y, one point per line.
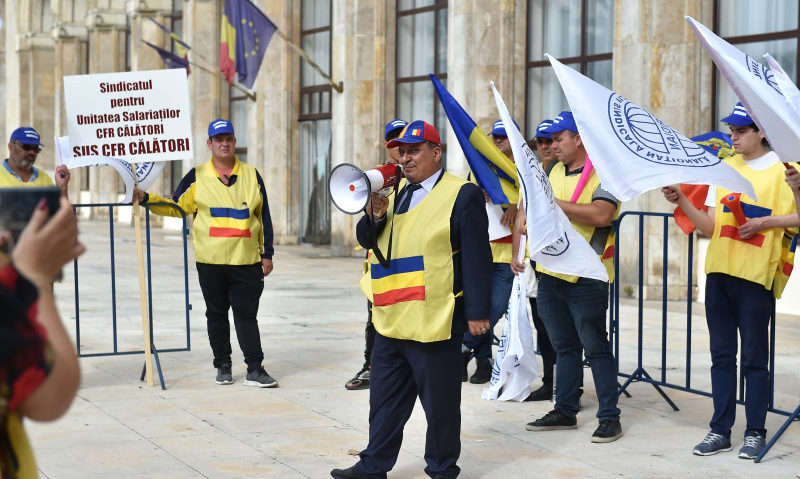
544	141
33	148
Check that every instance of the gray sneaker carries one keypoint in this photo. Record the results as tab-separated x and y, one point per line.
753	445
260	379
224	375
712	444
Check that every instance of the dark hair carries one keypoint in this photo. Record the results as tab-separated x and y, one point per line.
764	141
393	134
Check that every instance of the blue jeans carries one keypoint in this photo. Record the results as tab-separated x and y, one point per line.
575	315
738	308
502	281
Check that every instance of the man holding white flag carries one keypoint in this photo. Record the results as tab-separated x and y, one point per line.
573	307
632	150
747	267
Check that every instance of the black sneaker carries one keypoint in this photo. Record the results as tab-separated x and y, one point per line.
483	373
224	375
609	430
544	393
552	421
260	379
359	381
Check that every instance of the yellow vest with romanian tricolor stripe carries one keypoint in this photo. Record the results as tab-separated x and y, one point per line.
765	258
563	187
413	299
227	226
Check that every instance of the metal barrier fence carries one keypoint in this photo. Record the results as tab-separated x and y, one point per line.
640	374
148	269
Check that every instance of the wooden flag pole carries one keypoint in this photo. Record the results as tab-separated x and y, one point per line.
137	224
336	86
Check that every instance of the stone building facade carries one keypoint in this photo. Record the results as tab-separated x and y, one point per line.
380	51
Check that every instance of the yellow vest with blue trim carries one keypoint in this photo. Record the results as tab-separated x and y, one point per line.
413	299
765	258
9	180
563	187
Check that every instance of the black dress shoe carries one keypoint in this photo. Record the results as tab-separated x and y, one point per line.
483	373
351	472
544	393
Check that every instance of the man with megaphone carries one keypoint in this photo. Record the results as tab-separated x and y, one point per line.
361	379
434	285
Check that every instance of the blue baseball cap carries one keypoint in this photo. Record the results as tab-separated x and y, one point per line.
739	116
541	129
499	129
396	124
27	136
562	121
416	132
218	127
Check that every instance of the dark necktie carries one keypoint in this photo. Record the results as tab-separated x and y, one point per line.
410	189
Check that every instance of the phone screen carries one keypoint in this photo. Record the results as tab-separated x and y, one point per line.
17	206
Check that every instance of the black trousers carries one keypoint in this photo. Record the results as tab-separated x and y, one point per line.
401	371
236	287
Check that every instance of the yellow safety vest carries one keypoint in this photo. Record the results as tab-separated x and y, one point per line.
9	180
764	259
563	187
413	299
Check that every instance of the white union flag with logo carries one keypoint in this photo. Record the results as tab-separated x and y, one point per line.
632	150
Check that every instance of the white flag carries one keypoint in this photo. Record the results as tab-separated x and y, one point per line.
632	150
146	172
515	366
785	84
758	91
552	241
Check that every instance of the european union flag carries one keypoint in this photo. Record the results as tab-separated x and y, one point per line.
170	59
245	34
493	170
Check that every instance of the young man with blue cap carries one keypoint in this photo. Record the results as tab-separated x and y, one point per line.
436	287
232	233
502	279
18	170
361	379
573	308
747	266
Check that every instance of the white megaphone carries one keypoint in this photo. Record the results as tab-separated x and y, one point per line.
350	187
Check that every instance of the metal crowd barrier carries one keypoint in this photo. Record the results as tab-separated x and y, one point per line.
640	374
112	261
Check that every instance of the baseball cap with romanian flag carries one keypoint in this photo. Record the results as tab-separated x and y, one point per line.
416	132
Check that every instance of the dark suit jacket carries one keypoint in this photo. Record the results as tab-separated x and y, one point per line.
472	265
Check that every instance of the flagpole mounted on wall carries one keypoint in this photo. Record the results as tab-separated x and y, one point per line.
336	86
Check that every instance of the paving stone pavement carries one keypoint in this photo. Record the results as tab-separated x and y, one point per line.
312	322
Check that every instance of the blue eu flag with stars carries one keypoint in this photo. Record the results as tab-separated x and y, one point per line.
253	33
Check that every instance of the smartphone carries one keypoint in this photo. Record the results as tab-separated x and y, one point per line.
17	206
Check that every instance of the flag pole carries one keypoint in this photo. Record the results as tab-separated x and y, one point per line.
137	222
336	86
251	95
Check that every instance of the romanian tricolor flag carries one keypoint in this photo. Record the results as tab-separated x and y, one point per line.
229	223
244	36
493	170
718	144
404	280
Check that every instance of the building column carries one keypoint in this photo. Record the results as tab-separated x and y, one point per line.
360	112
485	44
29	74
660	65
106	54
